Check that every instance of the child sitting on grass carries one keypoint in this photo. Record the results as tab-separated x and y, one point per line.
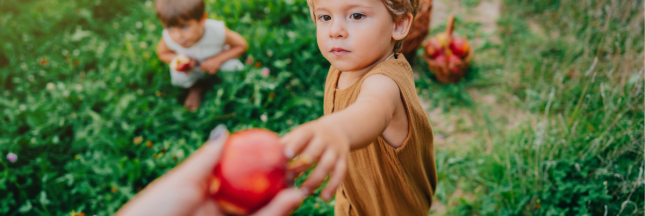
375	138
208	43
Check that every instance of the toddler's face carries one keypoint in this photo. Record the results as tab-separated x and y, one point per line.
353	34
188	32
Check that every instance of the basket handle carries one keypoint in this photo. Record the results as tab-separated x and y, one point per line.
450	27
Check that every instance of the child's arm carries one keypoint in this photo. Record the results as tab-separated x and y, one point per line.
165	54
329	139
238	46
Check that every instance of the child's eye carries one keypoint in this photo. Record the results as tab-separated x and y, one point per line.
357	16
325	18
184	27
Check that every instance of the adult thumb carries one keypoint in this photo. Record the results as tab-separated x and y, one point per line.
200	163
284	202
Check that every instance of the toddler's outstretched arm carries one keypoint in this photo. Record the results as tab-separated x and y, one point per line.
329	139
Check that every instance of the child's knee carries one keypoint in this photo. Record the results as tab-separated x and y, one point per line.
183	80
232	65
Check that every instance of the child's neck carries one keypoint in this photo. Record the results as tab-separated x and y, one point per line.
201	35
348	78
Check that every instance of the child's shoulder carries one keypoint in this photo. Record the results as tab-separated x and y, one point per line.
215	23
395	66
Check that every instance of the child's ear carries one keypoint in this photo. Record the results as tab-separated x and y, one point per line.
203	20
311	12
402	27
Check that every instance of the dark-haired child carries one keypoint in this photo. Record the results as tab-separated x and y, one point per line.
208	43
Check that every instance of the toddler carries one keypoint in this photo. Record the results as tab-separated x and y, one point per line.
375	138
208	43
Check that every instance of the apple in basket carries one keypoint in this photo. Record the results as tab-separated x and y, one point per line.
433	48
251	172
453	62
460	46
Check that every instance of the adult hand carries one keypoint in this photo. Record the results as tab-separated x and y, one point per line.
184	189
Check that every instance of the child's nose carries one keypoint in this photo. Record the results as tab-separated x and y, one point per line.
178	35
337	29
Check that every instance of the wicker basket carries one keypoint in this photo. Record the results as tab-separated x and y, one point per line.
418	31
442	72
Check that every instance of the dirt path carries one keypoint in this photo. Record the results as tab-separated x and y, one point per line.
456	128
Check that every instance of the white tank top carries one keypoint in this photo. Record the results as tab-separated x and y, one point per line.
209	45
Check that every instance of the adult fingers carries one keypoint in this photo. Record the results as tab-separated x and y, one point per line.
201	163
208	208
321	171
336	178
295	141
283	203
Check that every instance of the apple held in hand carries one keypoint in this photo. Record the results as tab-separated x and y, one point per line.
180	63
251	172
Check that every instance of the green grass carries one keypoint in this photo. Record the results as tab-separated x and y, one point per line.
580	149
72	120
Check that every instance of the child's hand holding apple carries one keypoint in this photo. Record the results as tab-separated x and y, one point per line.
183	63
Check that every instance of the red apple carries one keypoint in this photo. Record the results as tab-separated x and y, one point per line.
441	59
433	48
180	63
460	46
453	63
251	172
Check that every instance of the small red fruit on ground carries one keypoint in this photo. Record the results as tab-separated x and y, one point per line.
251	172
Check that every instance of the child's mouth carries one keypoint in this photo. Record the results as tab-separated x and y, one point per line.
339	51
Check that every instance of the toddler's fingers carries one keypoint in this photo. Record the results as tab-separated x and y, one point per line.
311	153
296	170
323	168
296	141
336	178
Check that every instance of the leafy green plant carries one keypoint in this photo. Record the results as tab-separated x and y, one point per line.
91	114
570	66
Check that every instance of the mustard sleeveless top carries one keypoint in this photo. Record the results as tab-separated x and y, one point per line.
381	179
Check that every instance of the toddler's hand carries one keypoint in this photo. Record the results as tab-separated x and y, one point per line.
183	63
191	66
321	142
211	65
